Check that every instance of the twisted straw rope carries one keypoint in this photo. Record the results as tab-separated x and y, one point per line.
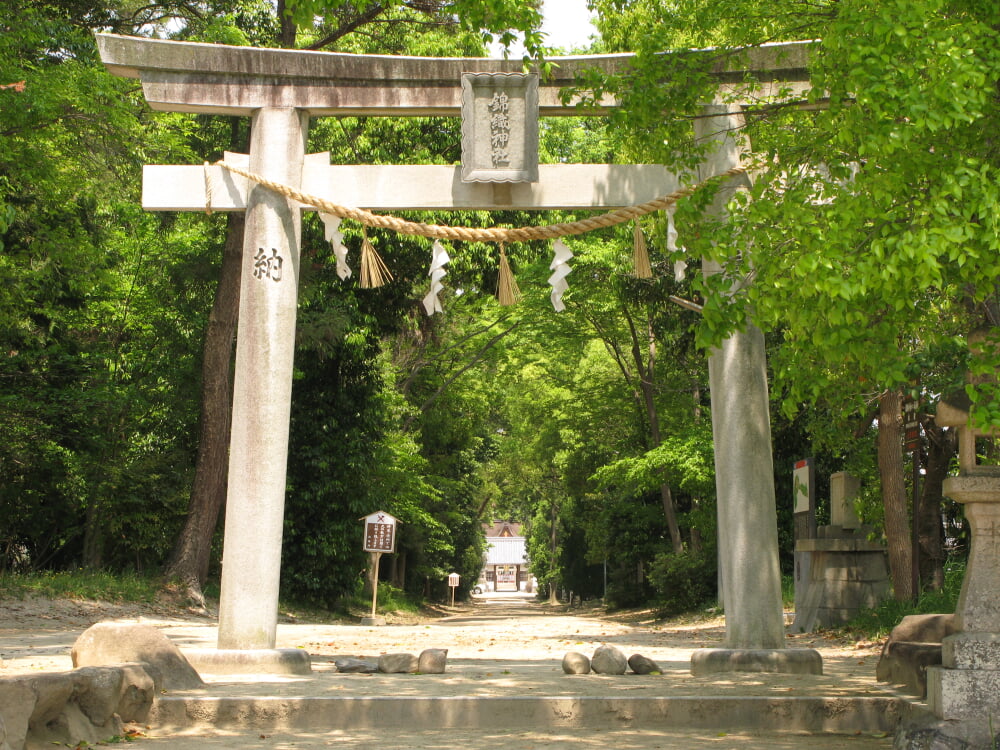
472	234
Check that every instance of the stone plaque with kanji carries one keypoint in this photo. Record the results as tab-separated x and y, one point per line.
499	127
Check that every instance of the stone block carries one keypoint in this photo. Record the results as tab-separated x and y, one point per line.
963	693
643	665
843	489
141	684
68	708
17	701
52	692
98	690
924	733
924	628
972	651
249	660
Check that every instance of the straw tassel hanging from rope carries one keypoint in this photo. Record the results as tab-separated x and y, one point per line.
640	255
507	289
374	272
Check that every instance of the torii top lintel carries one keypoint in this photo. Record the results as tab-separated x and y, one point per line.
226	80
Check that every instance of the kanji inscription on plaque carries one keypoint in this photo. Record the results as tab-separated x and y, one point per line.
499	127
380	532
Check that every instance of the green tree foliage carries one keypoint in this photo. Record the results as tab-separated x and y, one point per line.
96	442
871	234
869	237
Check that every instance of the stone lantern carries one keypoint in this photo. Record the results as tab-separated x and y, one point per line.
967	685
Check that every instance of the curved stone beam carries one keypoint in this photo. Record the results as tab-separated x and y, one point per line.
221	79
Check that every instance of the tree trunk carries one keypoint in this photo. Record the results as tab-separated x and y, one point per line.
93	538
647	372
553	593
287	32
890	465
190	559
930	531
670	513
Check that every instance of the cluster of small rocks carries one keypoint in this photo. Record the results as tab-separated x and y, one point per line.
608	660
430	661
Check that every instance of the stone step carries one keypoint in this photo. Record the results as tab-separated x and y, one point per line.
866	714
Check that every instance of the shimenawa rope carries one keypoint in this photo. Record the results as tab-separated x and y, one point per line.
472	234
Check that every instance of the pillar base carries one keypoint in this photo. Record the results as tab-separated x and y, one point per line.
249	661
379	621
961	694
929	734
785	660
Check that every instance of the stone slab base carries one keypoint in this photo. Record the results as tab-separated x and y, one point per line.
379	621
922	733
961	694
249	661
785	660
846	715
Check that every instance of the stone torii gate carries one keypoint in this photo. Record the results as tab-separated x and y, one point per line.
280	90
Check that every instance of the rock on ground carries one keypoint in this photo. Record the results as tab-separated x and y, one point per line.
398	663
643	665
576	663
108	643
609	660
432	661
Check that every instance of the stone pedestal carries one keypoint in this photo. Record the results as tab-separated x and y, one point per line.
250	661
967	685
847	573
785	660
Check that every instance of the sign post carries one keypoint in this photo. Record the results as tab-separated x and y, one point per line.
911	444
453	584
380	537
804	516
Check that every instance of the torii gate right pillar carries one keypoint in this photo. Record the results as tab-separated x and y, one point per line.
744	475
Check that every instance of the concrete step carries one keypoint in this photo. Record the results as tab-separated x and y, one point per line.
515	738
814	714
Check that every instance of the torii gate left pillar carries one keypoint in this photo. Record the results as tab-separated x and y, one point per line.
262	388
